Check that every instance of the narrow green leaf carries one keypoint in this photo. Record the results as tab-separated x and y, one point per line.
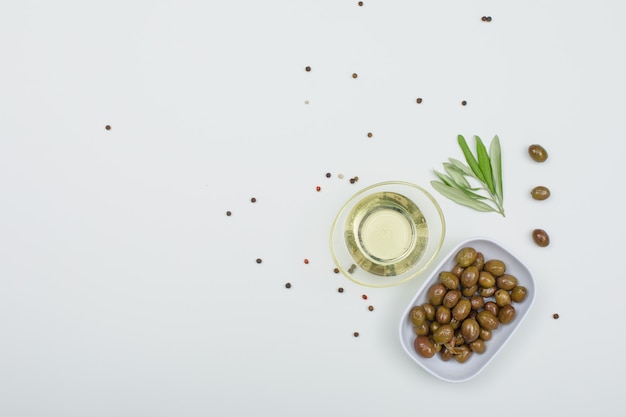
484	164
460	197
460	165
444	178
450	183
469	157
495	155
456	174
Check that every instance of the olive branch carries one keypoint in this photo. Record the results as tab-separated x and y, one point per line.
485	169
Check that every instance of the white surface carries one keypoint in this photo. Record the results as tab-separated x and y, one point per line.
125	289
452	371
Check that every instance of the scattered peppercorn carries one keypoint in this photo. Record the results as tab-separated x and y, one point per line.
464	103
336	270
318	188
253	200
340	289
288	285
356	334
488	18
340	176
369	134
370	308
228	213
306	101
419	100
352	181
328	175
360	3
108	127
484	18
356	178
306	261
259	260
555	316
354	75
308	69
364	297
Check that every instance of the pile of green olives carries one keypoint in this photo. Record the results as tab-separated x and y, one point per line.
465	306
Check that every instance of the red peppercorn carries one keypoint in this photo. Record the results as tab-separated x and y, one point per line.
306	261
318	188
364	297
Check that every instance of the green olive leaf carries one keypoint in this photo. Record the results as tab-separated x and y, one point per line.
495	154
460	197
484	164
469	157
461	166
456	174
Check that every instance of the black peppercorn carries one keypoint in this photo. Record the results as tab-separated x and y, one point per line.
308	69
419	100
253	200
259	260
288	285
228	213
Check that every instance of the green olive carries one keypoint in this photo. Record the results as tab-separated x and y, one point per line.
462	309
446	354
443	315
480	261
430	311
443	334
518	294
457	270
470	330
485	334
418	315
463	353
478	346
487	292
506	282
477	302
541	237
466	256
451	298
495	266
422	329
486	279
540	192
488	320
537	153
503	298
450	280
506	314
434	325
469	276
469	291
436	293
424	347
493	307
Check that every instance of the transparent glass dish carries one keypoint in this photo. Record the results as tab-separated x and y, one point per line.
387	234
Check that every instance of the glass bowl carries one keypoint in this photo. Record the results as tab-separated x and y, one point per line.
451	370
386	234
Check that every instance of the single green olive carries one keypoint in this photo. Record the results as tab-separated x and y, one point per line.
450	280
451	298
537	153
436	293
485	334
443	315
470	276
478	346
493	307
466	256
477	302
487	292
480	261
446	354
470	330
462	309
422	329
469	291
443	334
541	237
495	266
506	282
486	279
502	297
506	314
430	311
434	325
417	315
457	270
540	192
424	347
488	320
518	294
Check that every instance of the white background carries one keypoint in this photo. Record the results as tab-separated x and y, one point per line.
125	289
